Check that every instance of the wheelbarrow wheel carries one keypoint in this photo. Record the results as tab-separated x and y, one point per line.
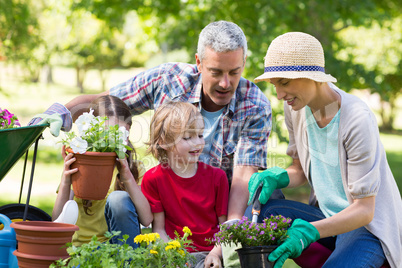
15	212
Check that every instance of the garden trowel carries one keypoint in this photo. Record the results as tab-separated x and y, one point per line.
256	205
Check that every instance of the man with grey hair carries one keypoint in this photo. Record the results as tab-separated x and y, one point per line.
237	114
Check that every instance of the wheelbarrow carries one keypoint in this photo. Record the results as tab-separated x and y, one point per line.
14	143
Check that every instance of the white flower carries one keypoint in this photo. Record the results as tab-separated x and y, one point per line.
123	135
78	145
84	122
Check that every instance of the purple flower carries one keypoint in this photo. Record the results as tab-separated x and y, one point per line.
7	116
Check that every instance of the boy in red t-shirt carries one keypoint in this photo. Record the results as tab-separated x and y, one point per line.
181	190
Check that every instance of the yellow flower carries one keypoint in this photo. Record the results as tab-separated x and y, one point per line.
187	230
139	238
169	247
151	237
175	244
153	251
181	252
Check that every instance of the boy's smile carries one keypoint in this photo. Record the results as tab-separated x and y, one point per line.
183	158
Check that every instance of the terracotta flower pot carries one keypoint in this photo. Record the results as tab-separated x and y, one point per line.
256	257
94	175
35	261
41	242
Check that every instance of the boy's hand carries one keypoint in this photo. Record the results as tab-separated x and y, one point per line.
212	260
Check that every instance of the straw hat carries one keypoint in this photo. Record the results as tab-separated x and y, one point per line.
295	55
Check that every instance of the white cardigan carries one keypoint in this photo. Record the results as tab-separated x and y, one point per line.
364	167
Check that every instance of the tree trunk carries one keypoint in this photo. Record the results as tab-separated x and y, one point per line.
103	76
49	74
80	76
387	114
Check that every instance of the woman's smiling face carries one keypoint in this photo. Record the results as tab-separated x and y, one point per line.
296	92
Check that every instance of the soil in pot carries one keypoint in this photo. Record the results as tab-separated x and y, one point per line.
255	257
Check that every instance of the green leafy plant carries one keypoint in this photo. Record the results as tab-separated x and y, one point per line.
152	252
272	231
95	136
8	120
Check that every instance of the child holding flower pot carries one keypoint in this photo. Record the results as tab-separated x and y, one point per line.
127	176
181	190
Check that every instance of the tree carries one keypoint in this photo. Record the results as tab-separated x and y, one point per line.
85	42
20	39
261	21
378	49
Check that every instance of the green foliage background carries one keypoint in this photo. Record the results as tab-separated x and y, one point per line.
361	39
42	41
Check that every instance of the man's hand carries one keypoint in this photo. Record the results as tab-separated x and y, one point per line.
212	260
57	116
54	120
270	179
300	235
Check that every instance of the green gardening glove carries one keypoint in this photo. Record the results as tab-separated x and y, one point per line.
270	179
300	235
54	120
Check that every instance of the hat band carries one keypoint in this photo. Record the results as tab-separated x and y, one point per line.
297	68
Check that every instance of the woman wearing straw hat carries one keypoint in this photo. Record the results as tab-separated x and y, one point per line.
336	148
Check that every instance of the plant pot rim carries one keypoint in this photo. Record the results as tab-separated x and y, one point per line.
262	246
68	149
39	257
251	249
43	226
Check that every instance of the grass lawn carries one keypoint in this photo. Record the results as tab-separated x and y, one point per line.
27	99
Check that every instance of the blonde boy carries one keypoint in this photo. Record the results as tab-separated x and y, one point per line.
181	190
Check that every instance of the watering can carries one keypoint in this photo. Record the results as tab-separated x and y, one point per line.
8	244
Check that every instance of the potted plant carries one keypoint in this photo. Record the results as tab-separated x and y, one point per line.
152	252
257	239
95	147
40	243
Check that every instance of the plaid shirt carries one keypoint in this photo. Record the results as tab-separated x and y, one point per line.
241	135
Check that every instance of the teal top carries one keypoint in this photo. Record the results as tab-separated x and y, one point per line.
325	169
363	164
211	121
